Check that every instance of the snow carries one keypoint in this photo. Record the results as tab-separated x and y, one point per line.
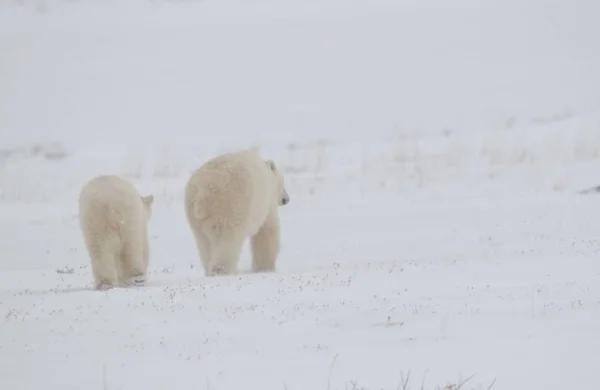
433	153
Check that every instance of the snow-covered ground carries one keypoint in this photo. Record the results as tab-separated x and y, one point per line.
433	152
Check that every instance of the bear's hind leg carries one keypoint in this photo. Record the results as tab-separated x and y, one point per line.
134	262
104	266
204	250
265	246
225	256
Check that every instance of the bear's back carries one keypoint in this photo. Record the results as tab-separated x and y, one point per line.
107	203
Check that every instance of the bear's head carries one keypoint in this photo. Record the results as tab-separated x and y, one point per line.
147	202
282	196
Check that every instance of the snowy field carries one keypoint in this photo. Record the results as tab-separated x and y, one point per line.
433	152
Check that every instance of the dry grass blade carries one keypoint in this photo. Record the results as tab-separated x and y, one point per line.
330	372
403	385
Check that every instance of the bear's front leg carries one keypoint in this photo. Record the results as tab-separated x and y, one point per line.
265	245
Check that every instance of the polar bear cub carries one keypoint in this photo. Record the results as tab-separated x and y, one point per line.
113	219
232	197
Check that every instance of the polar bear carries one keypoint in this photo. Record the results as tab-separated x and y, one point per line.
232	197
114	223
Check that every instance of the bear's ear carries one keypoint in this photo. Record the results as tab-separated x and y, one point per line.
271	165
148	200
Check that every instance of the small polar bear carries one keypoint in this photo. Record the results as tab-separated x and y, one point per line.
232	197
113	219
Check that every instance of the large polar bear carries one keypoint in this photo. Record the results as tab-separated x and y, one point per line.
113	219
232	197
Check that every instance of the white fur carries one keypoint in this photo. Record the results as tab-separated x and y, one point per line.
230	198
113	219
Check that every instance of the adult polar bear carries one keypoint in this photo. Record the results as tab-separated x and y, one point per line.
232	197
113	219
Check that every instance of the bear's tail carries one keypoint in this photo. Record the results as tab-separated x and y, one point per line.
198	207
